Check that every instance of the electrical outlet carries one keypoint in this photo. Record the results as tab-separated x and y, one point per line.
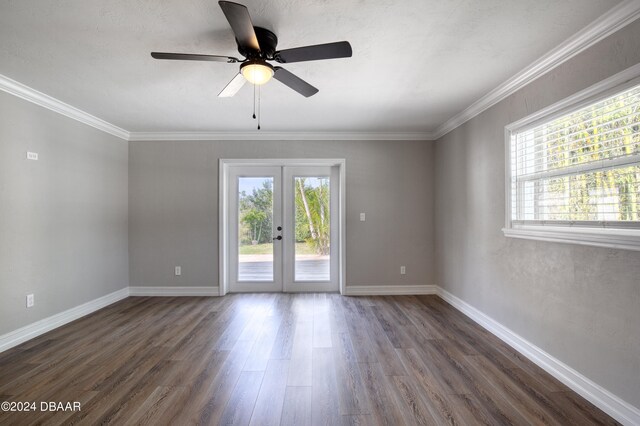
30	301
362	217
403	270
178	271
32	155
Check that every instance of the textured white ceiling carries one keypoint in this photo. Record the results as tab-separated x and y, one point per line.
415	63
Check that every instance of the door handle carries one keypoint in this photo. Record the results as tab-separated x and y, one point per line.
279	237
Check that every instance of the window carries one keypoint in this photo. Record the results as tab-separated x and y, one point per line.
574	172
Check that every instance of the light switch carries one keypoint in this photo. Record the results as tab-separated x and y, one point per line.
362	217
32	155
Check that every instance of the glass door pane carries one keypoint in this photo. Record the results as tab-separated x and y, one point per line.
312	228
254	222
255	229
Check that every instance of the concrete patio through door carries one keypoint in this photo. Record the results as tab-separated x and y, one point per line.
259	267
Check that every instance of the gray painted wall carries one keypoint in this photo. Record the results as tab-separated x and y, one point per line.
580	304
173	206
63	218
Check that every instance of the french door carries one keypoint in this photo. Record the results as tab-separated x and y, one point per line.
283	228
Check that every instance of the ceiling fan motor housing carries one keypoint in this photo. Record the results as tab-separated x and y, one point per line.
267	41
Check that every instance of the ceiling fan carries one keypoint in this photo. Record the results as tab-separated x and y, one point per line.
258	45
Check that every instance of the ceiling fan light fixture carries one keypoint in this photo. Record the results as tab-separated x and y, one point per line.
257	45
257	72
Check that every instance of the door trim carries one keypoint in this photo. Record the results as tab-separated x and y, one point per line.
275	284
223	204
288	219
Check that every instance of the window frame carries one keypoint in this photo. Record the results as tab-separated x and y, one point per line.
602	234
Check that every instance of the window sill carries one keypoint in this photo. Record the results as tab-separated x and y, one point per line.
627	239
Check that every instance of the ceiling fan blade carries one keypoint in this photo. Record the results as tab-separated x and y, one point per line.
233	87
193	57
340	49
294	82
240	21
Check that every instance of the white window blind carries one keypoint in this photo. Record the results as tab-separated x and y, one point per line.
580	169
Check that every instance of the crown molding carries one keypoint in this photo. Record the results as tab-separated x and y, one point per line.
279	136
618	17
27	93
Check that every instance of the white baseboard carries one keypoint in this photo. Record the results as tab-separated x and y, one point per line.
617	408
21	335
614	406
388	290
28	332
174	291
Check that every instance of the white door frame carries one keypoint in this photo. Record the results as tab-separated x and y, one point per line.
223	204
276	283
290	284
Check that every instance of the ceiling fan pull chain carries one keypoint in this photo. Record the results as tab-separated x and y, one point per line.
254	101
258	107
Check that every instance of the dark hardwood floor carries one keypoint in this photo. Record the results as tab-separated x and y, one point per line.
291	359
